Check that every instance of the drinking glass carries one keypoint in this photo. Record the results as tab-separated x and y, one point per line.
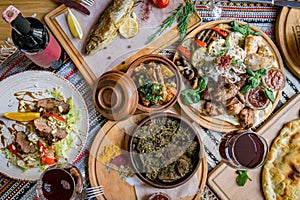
243	149
59	181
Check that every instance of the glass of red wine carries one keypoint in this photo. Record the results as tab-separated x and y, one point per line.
62	180
243	149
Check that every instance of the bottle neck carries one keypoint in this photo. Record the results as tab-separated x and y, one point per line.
21	25
14	17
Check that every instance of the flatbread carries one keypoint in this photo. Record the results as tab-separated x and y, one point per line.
281	172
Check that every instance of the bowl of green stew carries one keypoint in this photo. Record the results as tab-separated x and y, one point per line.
165	150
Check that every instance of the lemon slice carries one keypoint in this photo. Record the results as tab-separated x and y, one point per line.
129	28
74	25
22	116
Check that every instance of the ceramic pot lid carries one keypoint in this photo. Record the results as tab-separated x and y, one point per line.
288	37
115	95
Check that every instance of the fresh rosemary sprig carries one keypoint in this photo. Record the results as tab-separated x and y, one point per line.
182	13
184	19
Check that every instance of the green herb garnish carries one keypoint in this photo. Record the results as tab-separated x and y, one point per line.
151	92
182	13
245	30
270	95
193	96
254	80
242	177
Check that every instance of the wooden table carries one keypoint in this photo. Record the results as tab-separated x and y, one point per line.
28	7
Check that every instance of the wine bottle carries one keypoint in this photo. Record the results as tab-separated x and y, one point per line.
33	38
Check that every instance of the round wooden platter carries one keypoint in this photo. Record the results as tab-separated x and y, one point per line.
288	37
114	188
218	124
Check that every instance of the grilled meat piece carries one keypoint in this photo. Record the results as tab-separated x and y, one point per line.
23	144
235	104
48	131
243	80
246	118
50	105
225	92
106	28
212	109
207	94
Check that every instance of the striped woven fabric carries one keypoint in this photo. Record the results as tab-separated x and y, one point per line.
262	16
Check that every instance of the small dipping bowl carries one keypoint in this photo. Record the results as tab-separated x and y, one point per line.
115	95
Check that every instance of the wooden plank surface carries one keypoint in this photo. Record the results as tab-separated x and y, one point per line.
28	7
223	178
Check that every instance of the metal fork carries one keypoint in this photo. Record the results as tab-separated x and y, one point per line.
87	2
92	192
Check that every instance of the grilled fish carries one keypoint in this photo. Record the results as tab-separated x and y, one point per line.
106	28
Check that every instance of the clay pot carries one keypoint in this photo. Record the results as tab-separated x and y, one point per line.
177	79
115	95
135	157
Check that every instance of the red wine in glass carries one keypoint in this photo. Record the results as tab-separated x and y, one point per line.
246	150
61	181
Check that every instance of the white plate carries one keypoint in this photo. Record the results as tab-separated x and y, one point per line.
35	81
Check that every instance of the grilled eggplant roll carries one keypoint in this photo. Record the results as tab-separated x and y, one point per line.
106	28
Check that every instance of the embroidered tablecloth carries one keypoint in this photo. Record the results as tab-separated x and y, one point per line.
13	61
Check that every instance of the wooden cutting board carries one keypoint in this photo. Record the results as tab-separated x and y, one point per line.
223	178
122	51
288	37
114	188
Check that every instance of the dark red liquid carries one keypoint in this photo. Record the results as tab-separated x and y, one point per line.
57	184
248	150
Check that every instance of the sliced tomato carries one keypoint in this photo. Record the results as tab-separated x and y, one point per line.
46	157
161	3
13	150
55	116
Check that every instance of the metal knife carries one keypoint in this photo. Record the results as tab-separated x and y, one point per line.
75	5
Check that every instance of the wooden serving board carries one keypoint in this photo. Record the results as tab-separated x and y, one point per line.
288	37
218	124
114	188
223	178
122	51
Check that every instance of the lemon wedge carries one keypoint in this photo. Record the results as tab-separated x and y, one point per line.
22	116
129	28
74	25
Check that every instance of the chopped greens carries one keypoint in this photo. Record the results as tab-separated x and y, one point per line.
151	92
245	30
